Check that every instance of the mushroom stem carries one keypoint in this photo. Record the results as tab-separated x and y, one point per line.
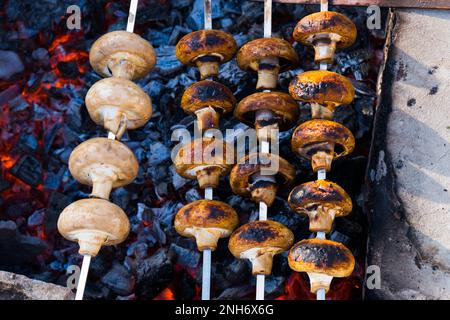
83	277
206	238
208	66
323	157
90	241
115	122
261	260
121	68
325	47
209	177
264	189
266	126
321	220
268	70
320	112
102	182
207	118
319	281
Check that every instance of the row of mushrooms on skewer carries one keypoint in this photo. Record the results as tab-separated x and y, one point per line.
320	140
118	104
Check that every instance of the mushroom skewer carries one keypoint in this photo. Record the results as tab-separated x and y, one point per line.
106	163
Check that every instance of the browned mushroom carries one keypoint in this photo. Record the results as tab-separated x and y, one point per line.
268	57
323	260
259	175
324	90
103	164
322	201
208	100
205	159
206	49
268	111
259	241
118	104
325	31
206	221
93	223
322	141
122	54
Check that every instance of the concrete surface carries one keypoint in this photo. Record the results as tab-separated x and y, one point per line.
410	173
18	287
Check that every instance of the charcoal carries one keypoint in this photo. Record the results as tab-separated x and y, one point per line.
177	33
119	280
40	54
56	204
237	271
27	143
195	19
4	184
185	257
236	292
193	194
167	63
36	218
185	287
28	169
9	93
178	4
157	154
17	248
121	197
10	64
153	274
273	286
18	104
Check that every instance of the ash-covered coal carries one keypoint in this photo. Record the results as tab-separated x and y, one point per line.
44	117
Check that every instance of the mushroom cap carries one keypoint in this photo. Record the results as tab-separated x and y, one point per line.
201	154
325	22
320	130
321	256
260	234
206	214
327	88
208	93
100	155
241	174
118	95
203	43
252	52
283	107
117	46
309	195
95	217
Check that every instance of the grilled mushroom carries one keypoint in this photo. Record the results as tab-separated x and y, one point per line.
325	31
122	54
322	201
208	100
103	164
259	175
267	111
118	104
259	241
267	56
206	49
93	223
323	260
206	221
324	90
322	141
205	159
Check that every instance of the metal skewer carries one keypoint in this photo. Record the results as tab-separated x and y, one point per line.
322	173
206	267
81	285
265	148
132	15
83	277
